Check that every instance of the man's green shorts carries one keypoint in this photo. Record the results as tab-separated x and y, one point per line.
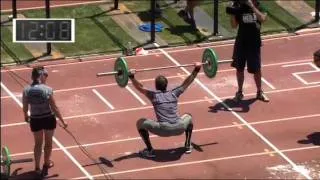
165	129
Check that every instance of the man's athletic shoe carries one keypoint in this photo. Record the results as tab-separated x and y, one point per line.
148	154
238	97
262	96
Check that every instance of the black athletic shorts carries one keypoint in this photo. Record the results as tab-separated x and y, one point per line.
250	56
46	123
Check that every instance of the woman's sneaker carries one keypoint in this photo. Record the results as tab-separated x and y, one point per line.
188	149
148	154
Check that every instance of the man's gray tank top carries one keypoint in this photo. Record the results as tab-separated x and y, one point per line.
166	104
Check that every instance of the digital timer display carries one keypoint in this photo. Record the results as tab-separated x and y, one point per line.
43	30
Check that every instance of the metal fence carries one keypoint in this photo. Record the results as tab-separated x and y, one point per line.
166	23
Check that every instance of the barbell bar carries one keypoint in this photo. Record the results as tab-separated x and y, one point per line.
121	71
146	69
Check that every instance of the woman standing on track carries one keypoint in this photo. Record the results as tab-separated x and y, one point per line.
43	112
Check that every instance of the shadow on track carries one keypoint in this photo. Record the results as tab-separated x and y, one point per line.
241	107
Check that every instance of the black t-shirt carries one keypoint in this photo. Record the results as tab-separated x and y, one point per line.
249	27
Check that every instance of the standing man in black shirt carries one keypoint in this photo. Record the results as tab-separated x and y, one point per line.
248	16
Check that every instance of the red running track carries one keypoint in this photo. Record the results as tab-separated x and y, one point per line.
254	140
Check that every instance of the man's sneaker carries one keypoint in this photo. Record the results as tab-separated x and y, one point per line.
148	154
188	149
238	97
262	96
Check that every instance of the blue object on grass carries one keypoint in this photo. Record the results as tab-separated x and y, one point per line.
147	27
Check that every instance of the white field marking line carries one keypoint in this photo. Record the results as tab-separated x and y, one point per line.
180	103
111	59
63	64
54	139
295	167
98	86
103	99
136	96
300	79
54	6
203	161
316	82
304	81
107	112
194	101
268	151
307	72
195	131
315	67
181	76
301	64
267	83
107	59
296	74
169	77
88	175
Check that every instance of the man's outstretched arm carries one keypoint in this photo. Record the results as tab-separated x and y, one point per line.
186	83
137	84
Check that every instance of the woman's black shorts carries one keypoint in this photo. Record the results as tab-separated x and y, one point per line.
46	123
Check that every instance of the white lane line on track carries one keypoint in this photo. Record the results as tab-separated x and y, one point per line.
268	83
195	131
103	99
300	79
87	175
295	167
181	103
204	161
136	96
152	79
302	64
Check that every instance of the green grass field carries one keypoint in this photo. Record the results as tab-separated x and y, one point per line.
311	3
5	57
176	31
12	52
96	32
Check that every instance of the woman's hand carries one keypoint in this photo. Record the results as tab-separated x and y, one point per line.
27	119
64	124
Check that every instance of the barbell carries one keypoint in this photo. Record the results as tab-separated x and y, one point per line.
121	70
6	162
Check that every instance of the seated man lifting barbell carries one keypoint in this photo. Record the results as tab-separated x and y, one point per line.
165	105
